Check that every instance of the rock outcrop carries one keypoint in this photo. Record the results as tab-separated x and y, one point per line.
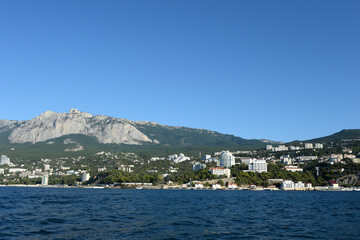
51	125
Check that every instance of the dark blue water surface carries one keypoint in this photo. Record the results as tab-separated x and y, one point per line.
58	213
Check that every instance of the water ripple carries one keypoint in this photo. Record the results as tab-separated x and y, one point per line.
159	214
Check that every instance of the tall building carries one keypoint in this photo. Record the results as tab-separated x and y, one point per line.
85	177
4	160
227	159
256	165
45	180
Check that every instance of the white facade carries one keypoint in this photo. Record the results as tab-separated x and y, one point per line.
219	171
299	185
232	186
205	157
85	177
246	160
227	159
216	186
213	159
294	148
178	158
199	185
293	169
45	180
2	171
306	158
256	165
308	146
319	145
269	148
126	168
286	159
351	156
281	148
287	184
198	166
15	170
4	160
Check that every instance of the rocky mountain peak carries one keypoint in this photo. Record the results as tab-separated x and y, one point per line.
74	110
51	125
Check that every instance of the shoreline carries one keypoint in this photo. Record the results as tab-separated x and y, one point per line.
321	189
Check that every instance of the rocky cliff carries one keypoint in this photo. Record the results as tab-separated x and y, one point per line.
51	125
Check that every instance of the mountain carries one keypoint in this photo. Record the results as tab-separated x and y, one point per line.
267	141
76	131
51	125
345	134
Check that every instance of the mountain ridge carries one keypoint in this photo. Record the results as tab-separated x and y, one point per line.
109	130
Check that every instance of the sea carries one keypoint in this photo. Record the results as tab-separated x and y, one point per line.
76	213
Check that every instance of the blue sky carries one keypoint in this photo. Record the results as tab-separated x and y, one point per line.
280	70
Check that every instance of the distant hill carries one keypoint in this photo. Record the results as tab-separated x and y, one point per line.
346	134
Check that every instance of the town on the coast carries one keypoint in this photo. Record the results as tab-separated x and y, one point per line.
301	166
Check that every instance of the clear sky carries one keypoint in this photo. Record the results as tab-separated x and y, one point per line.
281	70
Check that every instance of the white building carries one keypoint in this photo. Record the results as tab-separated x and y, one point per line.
15	170
281	148
126	168
287	184
256	165
153	159
269	148
293	168
46	167
286	159
308	146
319	146
2	171
294	148
245	160
219	171
101	169
216	186
306	158
213	159
45	180
227	159
199	185
206	156
232	186
299	185
198	166
351	156
178	159
4	160
85	177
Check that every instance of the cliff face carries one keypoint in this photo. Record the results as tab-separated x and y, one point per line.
104	129
51	125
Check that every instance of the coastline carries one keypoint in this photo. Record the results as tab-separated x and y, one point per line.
322	189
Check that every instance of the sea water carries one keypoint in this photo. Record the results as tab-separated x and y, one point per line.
74	213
